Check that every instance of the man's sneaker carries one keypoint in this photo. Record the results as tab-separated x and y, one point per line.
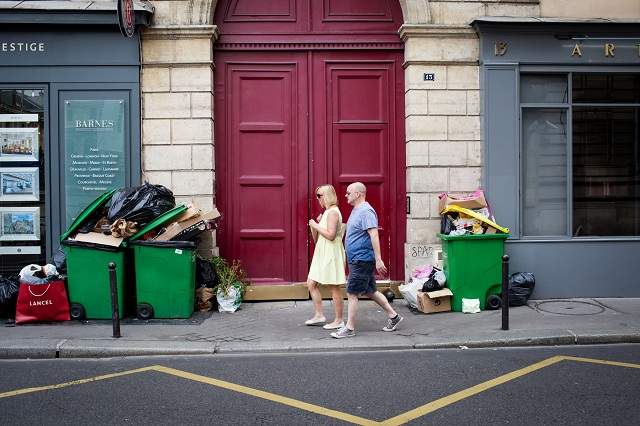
343	332
392	323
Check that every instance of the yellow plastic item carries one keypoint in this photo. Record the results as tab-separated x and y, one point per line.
475	215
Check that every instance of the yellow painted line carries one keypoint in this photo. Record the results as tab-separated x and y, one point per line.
466	393
268	396
72	383
601	361
397	420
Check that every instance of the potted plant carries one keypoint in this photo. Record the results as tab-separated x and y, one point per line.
230	284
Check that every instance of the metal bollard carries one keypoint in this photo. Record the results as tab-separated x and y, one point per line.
505	292
115	318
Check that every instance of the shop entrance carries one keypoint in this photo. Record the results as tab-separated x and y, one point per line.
323	104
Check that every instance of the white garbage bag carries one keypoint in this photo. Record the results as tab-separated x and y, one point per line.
410	290
230	301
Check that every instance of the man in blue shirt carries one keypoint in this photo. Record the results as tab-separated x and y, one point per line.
363	255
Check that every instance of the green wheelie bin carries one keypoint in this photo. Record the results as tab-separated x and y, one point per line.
473	267
165	273
88	271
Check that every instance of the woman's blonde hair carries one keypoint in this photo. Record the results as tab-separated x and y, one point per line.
328	195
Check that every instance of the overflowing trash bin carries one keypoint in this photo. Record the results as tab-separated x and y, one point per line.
472	250
473	266
164	272
150	240
87	268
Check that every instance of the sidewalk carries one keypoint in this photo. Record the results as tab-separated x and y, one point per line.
279	327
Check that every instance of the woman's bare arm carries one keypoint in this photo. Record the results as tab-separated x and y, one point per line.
332	226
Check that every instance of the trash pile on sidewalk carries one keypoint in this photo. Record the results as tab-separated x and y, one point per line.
42	295
472	250
426	290
142	239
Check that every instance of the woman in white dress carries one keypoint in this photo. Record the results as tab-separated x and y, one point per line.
328	263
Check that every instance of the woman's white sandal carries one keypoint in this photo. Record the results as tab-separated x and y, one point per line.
333	327
315	321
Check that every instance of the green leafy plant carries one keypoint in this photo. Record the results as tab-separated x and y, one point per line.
229	274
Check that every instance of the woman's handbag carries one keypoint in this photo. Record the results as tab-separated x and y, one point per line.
42	302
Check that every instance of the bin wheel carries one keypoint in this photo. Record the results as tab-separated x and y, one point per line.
389	294
493	302
77	312
144	311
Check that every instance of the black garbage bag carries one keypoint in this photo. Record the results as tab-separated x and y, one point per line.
521	285
60	261
205	274
432	284
446	225
140	204
8	296
89	224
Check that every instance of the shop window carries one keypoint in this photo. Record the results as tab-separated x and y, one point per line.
22	178
580	160
544	189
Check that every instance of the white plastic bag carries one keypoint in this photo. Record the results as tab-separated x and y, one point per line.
470	306
33	274
440	278
229	302
410	290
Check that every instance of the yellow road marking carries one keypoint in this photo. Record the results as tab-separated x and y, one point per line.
601	361
466	393
268	396
397	420
72	383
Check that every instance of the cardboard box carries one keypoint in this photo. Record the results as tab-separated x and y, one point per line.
98	238
435	301
197	223
471	201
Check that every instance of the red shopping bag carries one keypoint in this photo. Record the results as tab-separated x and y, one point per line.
42	302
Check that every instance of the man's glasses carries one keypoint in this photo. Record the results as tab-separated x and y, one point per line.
318	196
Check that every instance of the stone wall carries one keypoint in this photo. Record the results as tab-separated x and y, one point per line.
443	134
177	103
442	116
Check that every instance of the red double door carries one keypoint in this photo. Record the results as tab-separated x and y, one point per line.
287	122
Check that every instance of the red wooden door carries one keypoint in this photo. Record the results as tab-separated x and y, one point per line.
358	136
295	109
262	153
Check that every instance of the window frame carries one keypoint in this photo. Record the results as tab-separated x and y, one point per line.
568	106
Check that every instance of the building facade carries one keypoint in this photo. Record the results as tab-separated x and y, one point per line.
69	119
536	101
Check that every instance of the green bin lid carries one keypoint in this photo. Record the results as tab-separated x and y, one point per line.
95	204
160	220
474	237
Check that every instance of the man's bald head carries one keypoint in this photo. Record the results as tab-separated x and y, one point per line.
358	187
356	193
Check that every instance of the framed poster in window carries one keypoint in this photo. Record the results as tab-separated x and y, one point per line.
19	223
19	184
18	144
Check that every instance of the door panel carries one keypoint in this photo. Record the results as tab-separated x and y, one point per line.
263	157
357	138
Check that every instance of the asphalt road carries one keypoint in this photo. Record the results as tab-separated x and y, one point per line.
456	387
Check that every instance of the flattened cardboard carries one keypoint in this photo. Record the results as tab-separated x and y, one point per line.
192	212
435	301
98	238
175	228
468	201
